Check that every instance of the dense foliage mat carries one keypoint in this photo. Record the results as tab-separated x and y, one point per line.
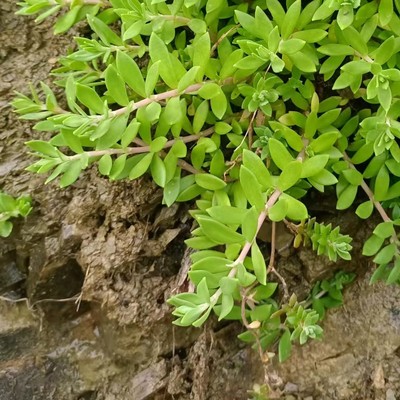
244	108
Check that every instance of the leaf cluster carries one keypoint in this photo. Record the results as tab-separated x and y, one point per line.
11	207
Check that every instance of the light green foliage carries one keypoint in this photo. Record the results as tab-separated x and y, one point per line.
12	208
243	108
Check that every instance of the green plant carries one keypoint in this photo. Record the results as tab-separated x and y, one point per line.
12	208
243	107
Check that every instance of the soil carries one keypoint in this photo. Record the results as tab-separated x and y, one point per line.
87	275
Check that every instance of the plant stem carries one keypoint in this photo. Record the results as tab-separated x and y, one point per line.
261	218
162	96
143	148
369	193
246	248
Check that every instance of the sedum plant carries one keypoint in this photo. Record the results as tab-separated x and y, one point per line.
12	208
242	108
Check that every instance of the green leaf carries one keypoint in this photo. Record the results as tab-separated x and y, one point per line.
394	275
310	35
385	11
355	40
277	12
345	16
303	62
201	53
382	183
71	174
384	230
171	71
158	144
385	51
297	211
252	188
314	165
291	46
172	189
260	269
285	346
258	168
106	35
353	176
279	153
188	79
372	245
43	147
219	105
158	170
118	166
278	211
105	164
291	19
5	228
335	49
130	133
261	313
386	254
324	142
116	86
364	210
67	20
152	78
209	182
347	197
218	232
291	173
226	306
200	116
130	73
209	90
227	214
89	98
141	167
249	225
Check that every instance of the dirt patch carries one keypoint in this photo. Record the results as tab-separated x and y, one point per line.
112	247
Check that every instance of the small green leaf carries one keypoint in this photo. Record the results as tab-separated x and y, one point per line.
209	182
279	153
364	210
130	72
105	164
116	86
347	197
394	275
88	97
227	214
258	168
384	230
71	174
218	232
314	165
372	245
251	188
386	254
141	167
336	50
259	266
278	211
285	346
158	171
291	173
